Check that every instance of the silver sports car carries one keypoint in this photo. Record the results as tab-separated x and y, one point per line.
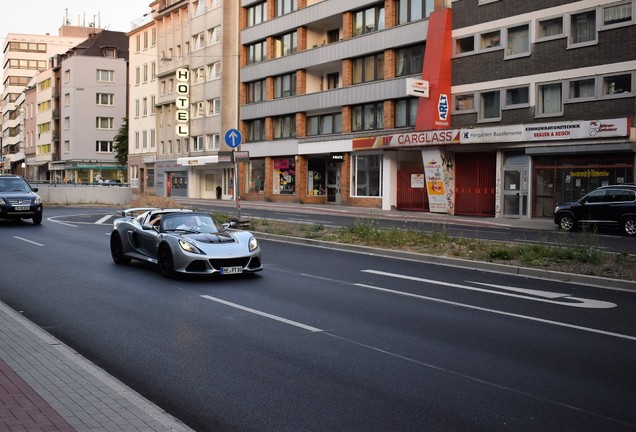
183	241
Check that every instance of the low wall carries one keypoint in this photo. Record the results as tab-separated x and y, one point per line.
69	194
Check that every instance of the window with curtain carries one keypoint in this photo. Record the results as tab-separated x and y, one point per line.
413	10
367	117
550	27
617	14
518	40
285	126
256	91
406	112
369	68
583	27
517	96
285	85
255	130
549	99
584	88
409	60
368	20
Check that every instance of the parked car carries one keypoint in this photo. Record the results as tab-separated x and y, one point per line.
18	200
183	241
611	206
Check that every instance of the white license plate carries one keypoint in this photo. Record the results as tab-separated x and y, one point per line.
232	270
21	208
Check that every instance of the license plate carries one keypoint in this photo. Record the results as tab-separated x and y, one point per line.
21	208
232	270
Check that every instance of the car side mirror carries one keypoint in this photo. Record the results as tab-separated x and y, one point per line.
149	227
35	189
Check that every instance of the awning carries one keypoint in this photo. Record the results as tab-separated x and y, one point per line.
194	161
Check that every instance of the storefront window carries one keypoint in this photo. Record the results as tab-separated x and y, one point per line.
316	177
255	176
150	173
367	175
284	179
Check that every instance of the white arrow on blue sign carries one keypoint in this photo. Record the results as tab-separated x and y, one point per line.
233	138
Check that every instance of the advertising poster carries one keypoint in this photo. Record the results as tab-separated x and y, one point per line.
435	187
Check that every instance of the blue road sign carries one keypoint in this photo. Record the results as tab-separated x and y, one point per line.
233	138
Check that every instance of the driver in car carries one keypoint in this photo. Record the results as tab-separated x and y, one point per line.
187	223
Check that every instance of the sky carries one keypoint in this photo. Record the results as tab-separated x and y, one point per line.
47	16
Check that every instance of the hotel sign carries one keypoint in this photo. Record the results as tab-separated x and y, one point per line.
182	102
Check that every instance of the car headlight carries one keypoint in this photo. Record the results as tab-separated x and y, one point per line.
253	244
37	200
189	247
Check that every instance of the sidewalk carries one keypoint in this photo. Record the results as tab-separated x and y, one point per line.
47	387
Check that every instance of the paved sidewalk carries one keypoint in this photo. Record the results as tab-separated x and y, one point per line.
47	387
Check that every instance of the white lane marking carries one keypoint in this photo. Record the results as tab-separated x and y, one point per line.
498	312
28	241
54	220
104	219
264	314
571	301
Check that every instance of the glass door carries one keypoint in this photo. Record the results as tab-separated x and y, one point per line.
515	197
333	184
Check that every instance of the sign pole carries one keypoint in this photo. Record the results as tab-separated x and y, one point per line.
233	139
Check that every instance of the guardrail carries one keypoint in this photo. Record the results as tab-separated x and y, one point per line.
118	194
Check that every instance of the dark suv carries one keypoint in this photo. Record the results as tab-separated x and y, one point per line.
18	200
613	206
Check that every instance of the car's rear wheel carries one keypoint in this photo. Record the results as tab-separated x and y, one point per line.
629	225
37	219
566	222
117	250
164	259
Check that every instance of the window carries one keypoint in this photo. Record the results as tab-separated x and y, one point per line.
213	141
406	112
285	126
198	41
368	20
367	117
285	6
490	40
152	104
617	84
198	75
145	76
105	75
413	10
214	35
617	14
104	146
582	89
214	71
465	45
197	143
105	99
583	28
409	60
324	124
549	99
490	105
137	75
518	41
332	80
255	130
285	44
285	85
550	28
518	96
465	102
370	68
67	76
256	91
67	99
214	106
197	110
257	14
367	175
104	123
256	52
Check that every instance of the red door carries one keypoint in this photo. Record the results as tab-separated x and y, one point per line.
408	197
475	184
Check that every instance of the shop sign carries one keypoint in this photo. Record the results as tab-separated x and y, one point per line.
414	139
337	157
241	156
435	186
225	157
566	130
182	102
417	181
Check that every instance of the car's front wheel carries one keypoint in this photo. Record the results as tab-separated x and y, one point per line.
165	261
117	250
37	219
629	225
566	222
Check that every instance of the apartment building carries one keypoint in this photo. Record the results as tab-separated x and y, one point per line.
197	77
142	136
476	107
91	83
26	55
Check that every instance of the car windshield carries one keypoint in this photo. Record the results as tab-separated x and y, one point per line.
13	185
190	223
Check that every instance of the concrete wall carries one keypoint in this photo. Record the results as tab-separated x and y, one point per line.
68	194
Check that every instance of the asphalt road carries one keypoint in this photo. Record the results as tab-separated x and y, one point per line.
325	339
